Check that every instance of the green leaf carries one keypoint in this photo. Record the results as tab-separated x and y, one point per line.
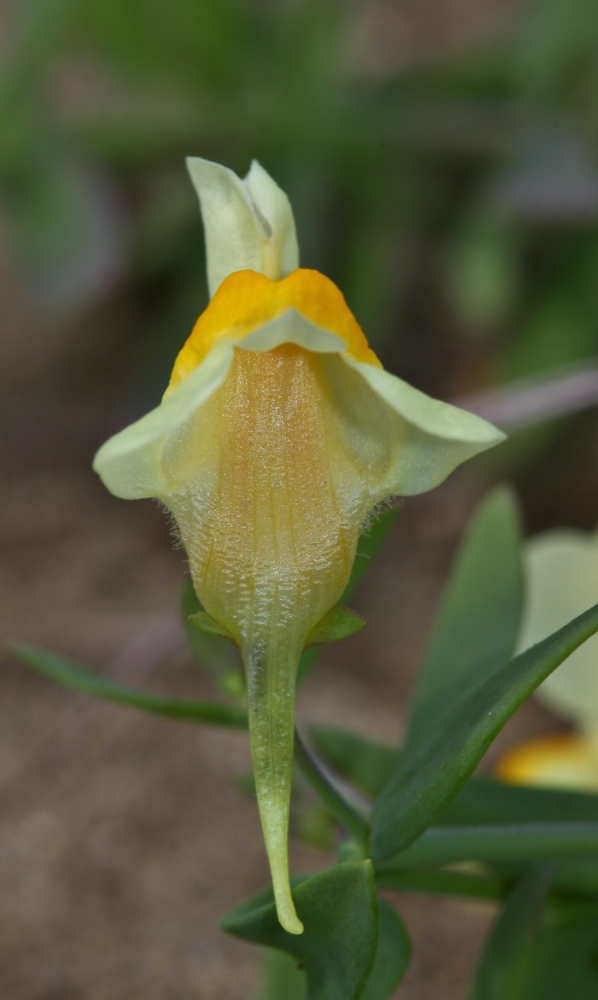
349	809
339	911
577	875
282	978
369	764
483	270
369	544
444	845
483	800
430	774
507	956
71	675
366	763
476	629
392	955
338	623
443	882
565	962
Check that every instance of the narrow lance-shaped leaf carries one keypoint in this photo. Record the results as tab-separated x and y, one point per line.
429	776
443	882
509	950
367	763
71	675
281	977
476	629
392	955
483	800
339	911
349	809
443	845
564	961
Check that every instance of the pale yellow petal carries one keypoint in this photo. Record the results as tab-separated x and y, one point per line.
130	463
248	224
562	582
426	438
291	327
246	301
273	205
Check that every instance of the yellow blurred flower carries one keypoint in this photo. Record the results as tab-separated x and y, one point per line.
562	581
559	760
277	437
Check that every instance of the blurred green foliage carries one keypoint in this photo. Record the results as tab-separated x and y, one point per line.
456	194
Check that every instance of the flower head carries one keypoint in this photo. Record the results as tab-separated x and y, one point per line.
278	435
562	577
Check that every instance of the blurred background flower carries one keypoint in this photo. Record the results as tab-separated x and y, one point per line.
441	160
562	582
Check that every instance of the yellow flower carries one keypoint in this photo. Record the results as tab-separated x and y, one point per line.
559	760
277	436
562	578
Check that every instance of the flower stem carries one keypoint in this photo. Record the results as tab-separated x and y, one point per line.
348	808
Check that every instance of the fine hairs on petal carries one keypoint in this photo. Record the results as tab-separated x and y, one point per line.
377	511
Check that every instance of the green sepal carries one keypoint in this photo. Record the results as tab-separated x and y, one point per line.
340	914
338	623
204	622
216	656
220	659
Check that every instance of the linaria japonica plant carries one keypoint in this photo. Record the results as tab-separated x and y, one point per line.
278	448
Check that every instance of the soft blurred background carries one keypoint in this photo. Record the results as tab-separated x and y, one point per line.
441	159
